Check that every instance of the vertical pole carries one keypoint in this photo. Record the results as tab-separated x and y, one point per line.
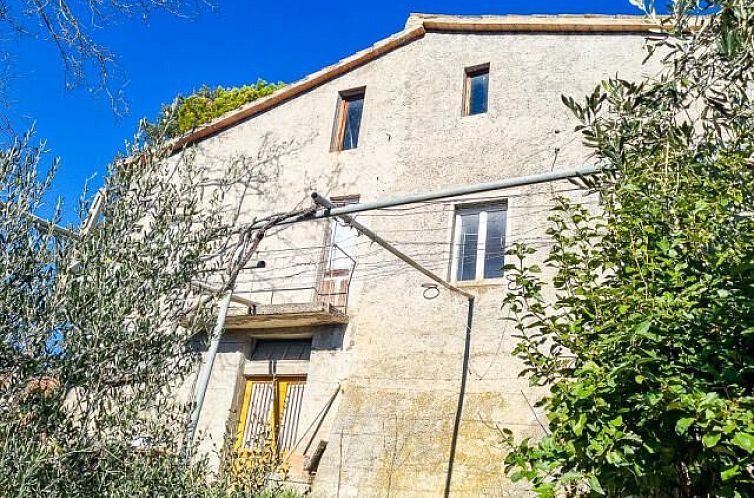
206	371
461	398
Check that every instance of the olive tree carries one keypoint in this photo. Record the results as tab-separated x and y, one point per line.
98	327
648	345
74	28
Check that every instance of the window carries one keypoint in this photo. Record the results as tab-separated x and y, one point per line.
479	242
339	260
475	90
348	119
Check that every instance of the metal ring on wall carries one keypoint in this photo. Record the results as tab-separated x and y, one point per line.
430	291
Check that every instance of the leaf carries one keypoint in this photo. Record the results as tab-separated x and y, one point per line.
578	427
571	476
683	425
744	441
643	327
614	457
517	476
730	473
595	485
711	439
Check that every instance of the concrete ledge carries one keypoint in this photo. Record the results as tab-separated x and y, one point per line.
284	315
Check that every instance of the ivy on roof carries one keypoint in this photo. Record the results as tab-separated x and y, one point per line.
207	104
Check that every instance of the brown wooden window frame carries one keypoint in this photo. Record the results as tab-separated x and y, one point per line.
341	115
468	74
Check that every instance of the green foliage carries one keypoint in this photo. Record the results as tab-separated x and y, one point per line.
647	339
98	330
188	113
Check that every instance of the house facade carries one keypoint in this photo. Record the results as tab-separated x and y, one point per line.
365	376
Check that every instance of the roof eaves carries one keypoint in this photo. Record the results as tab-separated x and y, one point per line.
416	26
311	81
535	23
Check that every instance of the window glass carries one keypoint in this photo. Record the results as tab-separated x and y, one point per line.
353	108
342	239
467	246
479	242
341	248
477	87
494	249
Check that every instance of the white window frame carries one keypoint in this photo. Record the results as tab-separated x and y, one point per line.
481	248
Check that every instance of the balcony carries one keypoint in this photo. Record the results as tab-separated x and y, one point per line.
303	289
275	316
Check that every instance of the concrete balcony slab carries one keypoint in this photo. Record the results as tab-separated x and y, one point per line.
268	316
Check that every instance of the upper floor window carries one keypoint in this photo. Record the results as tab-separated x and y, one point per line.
479	242
341	238
476	87
348	119
340	261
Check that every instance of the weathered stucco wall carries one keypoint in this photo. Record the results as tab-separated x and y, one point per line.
399	360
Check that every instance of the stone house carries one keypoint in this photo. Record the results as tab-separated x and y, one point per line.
361	371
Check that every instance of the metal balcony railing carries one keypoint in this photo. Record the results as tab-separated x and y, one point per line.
300	278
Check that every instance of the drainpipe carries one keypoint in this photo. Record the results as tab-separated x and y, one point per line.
206	371
461	397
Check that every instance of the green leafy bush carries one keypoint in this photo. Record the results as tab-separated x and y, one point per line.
188	113
648	346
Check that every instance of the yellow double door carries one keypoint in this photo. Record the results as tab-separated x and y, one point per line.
268	420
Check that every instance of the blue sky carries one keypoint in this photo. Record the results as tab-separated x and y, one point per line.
235	43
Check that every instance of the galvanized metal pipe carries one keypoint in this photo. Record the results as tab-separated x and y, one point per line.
206	370
504	184
400	201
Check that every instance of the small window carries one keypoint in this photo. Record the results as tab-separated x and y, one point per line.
479	242
341	238
348	119
475	90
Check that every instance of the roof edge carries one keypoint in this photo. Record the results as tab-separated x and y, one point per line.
301	86
416	27
585	23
